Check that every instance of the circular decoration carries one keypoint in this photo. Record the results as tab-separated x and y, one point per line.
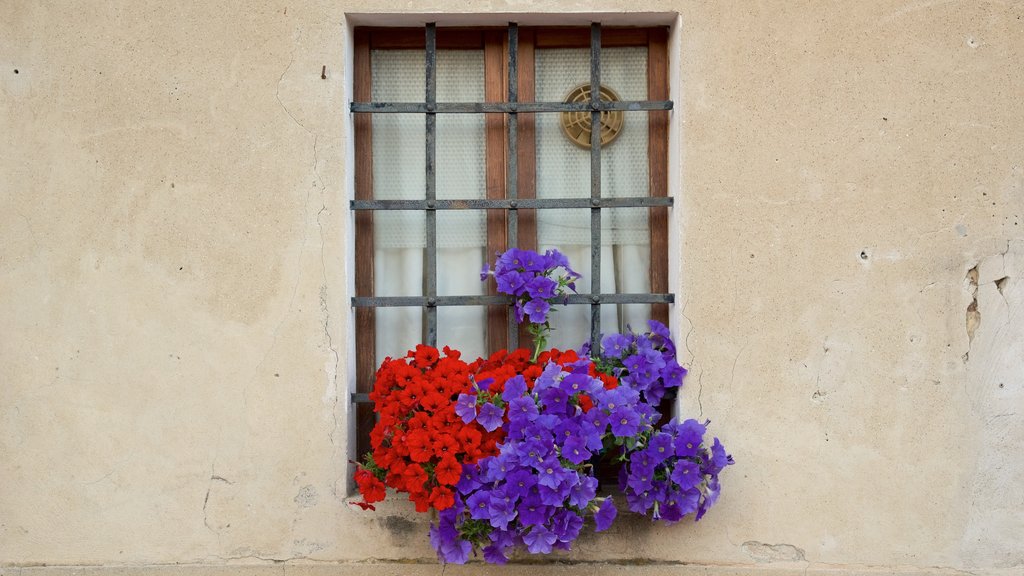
577	125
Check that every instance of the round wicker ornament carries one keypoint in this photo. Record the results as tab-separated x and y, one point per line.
577	125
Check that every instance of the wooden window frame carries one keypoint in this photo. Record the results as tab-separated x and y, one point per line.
494	42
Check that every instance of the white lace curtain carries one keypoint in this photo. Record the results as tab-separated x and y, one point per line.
563	170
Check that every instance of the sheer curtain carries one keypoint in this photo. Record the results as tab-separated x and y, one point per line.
399	165
563	170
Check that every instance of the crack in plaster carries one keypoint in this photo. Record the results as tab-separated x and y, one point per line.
732	375
214	477
700	390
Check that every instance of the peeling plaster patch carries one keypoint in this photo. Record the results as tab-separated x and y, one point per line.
973	319
307	496
773	552
1001	284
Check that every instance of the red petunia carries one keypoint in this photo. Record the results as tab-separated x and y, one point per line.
448	471
425	356
441	497
415	477
370	487
421	449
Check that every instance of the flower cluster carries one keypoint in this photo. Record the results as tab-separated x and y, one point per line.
507	448
419	442
674	472
536	492
536	280
646	362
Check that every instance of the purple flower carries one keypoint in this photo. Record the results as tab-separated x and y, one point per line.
501	509
641	478
615	345
537	310
519	482
470	479
566	525
625	422
691	433
686	474
511	282
605	515
660	447
495	554
579	383
659	329
671	511
583	492
550	471
719	459
524	408
490	416
465	407
532	511
575	450
514	388
539	540
485	272
479	504
541	287
555	400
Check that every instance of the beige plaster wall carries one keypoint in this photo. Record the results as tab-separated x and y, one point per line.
173	286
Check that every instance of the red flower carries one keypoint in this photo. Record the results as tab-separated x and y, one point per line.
420	447
448	471
370	487
425	356
442	497
445	446
415	477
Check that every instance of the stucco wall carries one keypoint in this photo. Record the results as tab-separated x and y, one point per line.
174	333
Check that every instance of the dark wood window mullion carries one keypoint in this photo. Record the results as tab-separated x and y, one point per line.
431	184
494	128
526	184
366	341
657	157
595	186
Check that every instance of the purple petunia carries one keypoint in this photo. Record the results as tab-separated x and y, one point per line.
605	515
490	416
465	407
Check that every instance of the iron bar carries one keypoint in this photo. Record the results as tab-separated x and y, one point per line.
595	184
431	184
506	107
510	203
482	300
512	171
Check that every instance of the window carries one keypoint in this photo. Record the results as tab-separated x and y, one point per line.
470	141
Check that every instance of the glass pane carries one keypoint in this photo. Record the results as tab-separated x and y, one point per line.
396	342
462	328
399	241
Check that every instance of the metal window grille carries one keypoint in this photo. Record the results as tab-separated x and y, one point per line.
511	108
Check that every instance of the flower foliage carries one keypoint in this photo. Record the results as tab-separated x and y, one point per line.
505	448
